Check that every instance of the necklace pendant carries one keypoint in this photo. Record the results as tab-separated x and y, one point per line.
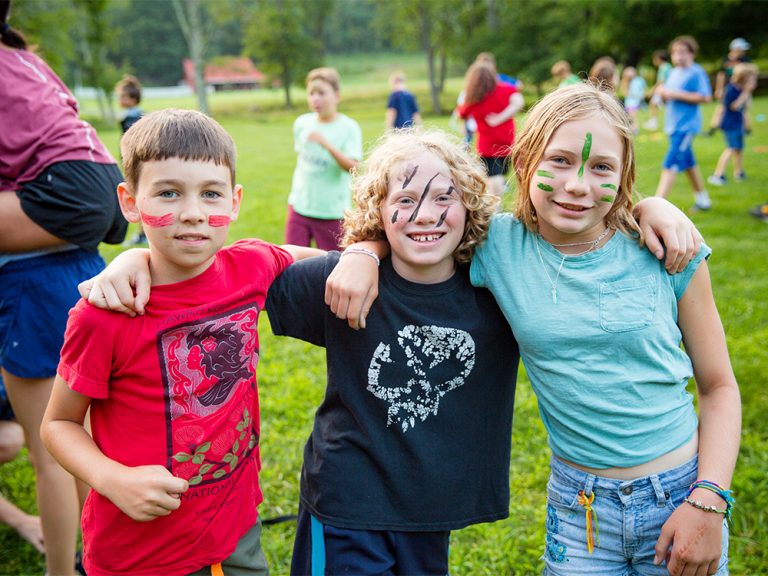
554	295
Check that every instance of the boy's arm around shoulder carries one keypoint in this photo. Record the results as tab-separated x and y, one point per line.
695	535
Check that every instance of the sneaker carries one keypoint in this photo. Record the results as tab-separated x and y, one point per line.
760	212
136	240
716	180
740	177
651	124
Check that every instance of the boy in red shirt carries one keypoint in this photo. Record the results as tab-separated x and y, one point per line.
174	459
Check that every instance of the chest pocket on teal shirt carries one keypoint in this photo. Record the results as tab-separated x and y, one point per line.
627	304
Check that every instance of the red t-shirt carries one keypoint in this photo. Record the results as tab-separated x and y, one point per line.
177	387
40	122
492	141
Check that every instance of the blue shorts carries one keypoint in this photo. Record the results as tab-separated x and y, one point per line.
630	515
495	165
320	549
734	139
680	154
35	297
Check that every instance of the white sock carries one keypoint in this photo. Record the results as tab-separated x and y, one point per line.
702	199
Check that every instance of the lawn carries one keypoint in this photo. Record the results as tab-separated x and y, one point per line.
291	374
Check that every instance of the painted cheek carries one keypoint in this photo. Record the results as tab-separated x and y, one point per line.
542	185
609	198
157	221
443	216
394	216
218	220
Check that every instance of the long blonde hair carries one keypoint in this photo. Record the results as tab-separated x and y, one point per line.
371	186
576	102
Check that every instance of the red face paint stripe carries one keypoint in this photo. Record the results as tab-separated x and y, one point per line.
217	220
157	221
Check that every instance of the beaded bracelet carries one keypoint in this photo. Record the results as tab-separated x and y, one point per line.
360	250
726	495
701	506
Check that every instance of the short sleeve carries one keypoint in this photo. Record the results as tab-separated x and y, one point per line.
483	257
705	89
296	300
681	280
89	343
392	100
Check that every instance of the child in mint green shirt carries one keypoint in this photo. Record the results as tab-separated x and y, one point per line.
329	145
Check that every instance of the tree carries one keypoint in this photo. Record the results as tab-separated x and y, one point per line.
191	21
278	35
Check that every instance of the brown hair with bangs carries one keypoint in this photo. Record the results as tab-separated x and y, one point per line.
370	188
577	102
328	75
173	133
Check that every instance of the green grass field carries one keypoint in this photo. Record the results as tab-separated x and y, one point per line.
291	374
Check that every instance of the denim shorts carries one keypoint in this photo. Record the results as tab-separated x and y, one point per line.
630	514
734	139
680	154
35	297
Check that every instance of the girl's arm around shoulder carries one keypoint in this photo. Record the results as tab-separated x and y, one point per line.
693	534
143	492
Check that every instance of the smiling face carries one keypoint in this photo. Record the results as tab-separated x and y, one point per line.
185	207
322	99
424	219
577	180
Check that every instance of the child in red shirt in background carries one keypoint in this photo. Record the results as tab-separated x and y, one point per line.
492	104
174	459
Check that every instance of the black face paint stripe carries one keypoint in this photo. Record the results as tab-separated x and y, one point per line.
421	200
394	216
450	190
409	178
442	218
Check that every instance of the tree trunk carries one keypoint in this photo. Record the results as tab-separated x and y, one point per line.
426	44
189	14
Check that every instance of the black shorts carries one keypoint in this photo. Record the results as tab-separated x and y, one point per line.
76	201
495	165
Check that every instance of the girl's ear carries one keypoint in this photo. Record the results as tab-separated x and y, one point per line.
127	200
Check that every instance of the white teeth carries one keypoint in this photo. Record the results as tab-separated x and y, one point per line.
426	237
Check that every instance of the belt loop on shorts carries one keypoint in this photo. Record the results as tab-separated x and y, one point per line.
585	499
661	497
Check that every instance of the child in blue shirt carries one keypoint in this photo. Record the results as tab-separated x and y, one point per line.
687	87
737	95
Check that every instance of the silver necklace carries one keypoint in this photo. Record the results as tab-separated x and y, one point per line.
592	245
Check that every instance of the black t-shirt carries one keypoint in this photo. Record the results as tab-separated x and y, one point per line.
414	432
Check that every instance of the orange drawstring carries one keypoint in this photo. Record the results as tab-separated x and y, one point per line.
216	570
591	517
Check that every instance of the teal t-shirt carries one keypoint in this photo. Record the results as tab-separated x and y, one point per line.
605	360
320	188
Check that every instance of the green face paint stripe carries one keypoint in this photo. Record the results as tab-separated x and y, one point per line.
608	199
545	187
585	152
544	174
611	186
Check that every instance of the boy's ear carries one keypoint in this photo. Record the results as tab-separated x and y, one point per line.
127	201
237	199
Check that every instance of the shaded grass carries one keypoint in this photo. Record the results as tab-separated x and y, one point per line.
292	374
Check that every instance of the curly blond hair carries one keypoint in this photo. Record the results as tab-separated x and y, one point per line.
371	186
575	102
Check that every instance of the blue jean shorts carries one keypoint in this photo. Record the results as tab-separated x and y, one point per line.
680	154
630	514
734	139
35	297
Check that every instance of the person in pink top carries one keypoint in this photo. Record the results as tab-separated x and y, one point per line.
58	201
493	105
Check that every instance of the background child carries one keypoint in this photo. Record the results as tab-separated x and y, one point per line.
402	109
562	74
412	439
329	145
633	86
737	54
737	94
686	88
663	68
129	97
174	459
